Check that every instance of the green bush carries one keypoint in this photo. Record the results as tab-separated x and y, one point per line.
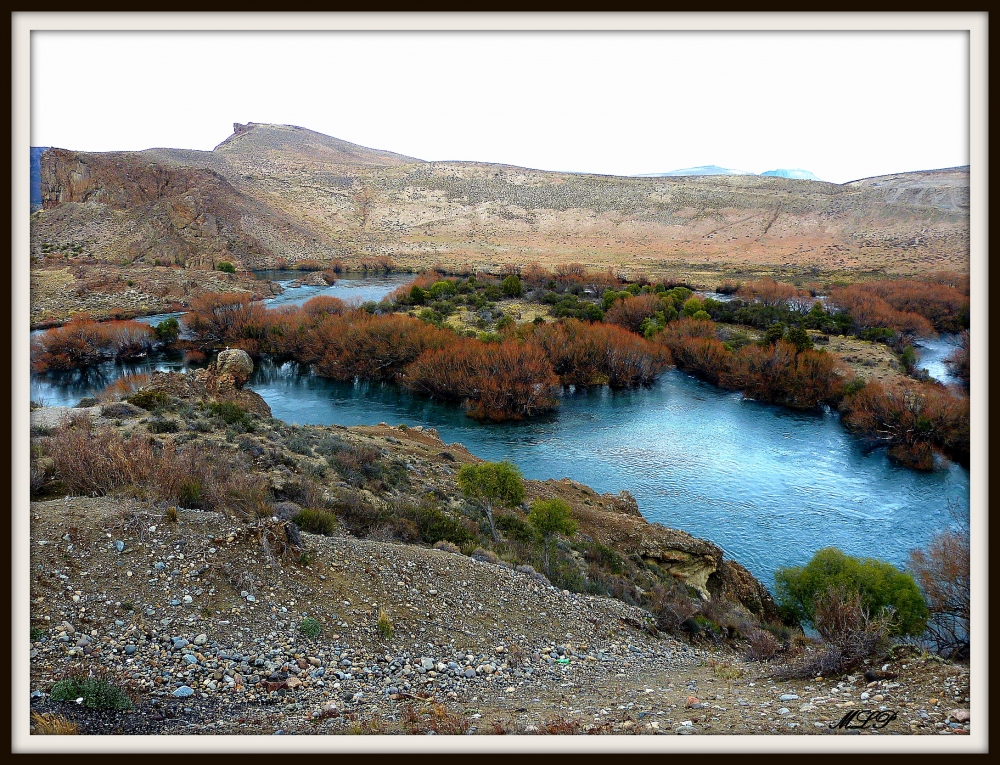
799	338
225	265
162	426
436	526
511	286
310	628
168	330
513	527
149	400
230	413
881	586
315	521
95	692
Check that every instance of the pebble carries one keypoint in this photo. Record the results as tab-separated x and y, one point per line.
184	691
788	697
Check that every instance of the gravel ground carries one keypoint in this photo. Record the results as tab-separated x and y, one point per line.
201	621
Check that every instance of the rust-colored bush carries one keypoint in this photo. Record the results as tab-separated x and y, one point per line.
769	292
91	460
124	387
781	374
373	347
226	318
911	417
84	342
942	570
960	358
631	312
597	354
497	381
869	310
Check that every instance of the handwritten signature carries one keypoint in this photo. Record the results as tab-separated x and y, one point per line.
865	718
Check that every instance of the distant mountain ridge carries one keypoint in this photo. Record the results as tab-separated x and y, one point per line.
279	194
700	170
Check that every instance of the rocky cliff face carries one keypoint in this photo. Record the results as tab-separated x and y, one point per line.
124	208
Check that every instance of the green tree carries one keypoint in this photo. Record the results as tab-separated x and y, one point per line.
692	305
494	484
799	338
551	517
168	330
225	265
882	587
511	286
774	333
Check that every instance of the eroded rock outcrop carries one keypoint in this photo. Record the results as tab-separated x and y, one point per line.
615	521
223	380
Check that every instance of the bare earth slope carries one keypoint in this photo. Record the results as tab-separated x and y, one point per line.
275	191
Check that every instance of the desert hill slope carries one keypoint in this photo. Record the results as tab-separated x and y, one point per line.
276	192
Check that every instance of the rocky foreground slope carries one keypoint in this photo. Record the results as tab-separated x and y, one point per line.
215	623
271	194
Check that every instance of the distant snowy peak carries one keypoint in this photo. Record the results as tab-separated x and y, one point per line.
800	175
702	170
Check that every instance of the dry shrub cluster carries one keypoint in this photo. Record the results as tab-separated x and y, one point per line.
912	418
850	634
942	570
869	311
83	342
942	300
768	292
632	311
778	373
511	379
89	460
597	354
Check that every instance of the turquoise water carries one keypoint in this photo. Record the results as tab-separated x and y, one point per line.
769	485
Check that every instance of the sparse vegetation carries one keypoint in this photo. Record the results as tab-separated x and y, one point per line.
310	628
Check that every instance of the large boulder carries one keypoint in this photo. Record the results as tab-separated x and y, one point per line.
237	364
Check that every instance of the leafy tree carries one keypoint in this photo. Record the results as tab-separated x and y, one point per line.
225	265
692	305
511	286
551	517
168	330
443	287
494	484
799	338
882	588
774	333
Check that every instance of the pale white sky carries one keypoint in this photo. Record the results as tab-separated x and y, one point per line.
843	105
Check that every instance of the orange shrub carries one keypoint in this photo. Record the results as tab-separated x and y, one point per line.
945	306
631	312
910	418
84	342
497	381
372	347
868	310
769	292
225	317
782	375
596	354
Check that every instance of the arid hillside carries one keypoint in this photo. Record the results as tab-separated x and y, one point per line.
273	193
